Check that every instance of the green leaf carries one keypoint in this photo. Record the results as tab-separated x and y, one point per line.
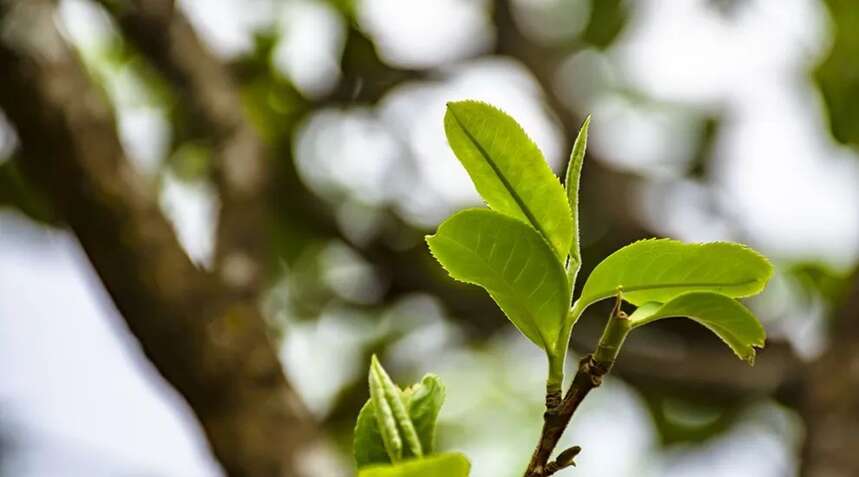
508	170
423	402
392	419
728	318
571	184
369	444
661	269
513	263
441	465
385	421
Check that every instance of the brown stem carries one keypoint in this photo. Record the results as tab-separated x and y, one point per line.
589	376
555	421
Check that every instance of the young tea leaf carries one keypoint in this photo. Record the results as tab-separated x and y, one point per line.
441	465
423	402
508	170
513	263
368	444
391	416
724	316
571	184
661	269
385	421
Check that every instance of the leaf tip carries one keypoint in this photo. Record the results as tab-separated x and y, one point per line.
452	106
375	366
749	356
753	349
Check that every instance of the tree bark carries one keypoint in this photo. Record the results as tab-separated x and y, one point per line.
212	111
831	405
215	352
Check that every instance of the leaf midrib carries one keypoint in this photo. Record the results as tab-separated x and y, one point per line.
600	296
507	185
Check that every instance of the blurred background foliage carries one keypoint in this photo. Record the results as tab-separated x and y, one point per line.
713	120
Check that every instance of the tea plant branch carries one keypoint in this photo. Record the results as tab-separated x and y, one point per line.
555	421
591	370
526	263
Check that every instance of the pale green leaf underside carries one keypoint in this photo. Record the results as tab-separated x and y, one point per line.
571	184
724	316
513	263
423	403
369	447
508	170
661	269
441	465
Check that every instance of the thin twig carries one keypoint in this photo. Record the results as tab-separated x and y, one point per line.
592	368
588	377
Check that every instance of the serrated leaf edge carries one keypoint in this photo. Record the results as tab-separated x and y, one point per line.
561	254
573	178
549	347
763	280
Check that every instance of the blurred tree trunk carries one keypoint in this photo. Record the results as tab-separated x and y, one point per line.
831	405
205	341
